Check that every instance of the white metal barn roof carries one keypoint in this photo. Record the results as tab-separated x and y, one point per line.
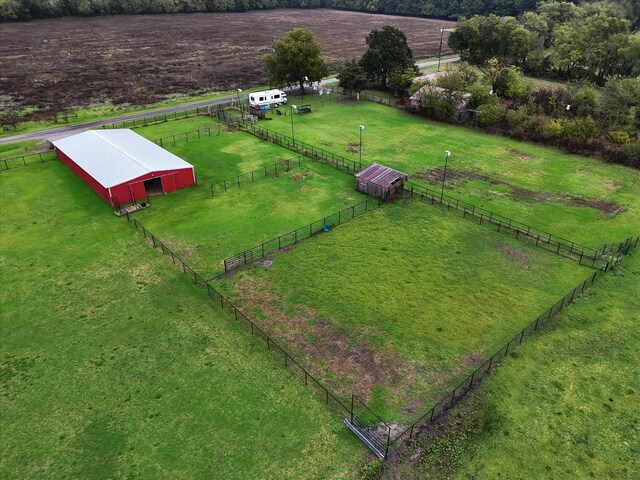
113	157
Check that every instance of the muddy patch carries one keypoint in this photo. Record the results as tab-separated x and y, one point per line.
459	177
300	176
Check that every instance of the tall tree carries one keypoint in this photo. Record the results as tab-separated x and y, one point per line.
388	52
296	60
353	78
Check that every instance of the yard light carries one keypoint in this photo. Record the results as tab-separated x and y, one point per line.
293	135
239	92
568	107
444	175
361	129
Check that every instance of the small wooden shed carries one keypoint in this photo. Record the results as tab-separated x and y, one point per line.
381	182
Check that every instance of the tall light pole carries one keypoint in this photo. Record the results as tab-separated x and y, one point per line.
440	49
444	175
361	129
293	135
239	92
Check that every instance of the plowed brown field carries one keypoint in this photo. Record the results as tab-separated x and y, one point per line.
70	62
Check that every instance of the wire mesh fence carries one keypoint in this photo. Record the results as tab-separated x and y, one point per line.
323	225
25	160
250	177
483	370
582	254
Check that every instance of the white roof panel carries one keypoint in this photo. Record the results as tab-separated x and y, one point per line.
113	157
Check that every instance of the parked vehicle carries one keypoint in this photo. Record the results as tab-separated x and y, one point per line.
264	100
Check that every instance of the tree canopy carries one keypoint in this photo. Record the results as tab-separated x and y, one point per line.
590	42
388	53
296	60
353	78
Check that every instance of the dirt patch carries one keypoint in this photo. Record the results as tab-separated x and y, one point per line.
59	63
344	356
612	186
458	177
608	208
519	155
300	176
353	148
474	359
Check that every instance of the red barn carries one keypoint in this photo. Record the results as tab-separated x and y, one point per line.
122	166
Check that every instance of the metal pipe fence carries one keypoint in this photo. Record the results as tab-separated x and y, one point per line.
450	399
261	251
264	172
25	160
582	254
288	361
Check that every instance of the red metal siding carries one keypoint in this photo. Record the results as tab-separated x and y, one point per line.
88	179
132	190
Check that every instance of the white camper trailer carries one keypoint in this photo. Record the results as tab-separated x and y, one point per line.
264	100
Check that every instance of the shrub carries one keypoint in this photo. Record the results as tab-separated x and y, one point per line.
553	130
583	129
619	136
489	114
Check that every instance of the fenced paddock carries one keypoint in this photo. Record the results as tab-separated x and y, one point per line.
407	285
297	235
250	177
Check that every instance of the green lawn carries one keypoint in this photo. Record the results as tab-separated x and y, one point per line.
113	365
205	229
565	405
400	303
568	195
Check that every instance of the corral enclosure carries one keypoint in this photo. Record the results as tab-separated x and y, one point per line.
66	62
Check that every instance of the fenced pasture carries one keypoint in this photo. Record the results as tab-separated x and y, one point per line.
214	227
578	198
113	364
18	161
398	305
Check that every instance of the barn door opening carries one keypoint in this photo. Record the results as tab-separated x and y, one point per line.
153	186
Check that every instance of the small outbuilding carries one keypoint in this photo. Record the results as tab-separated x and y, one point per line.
122	166
381	182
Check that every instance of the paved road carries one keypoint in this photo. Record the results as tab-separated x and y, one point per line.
60	132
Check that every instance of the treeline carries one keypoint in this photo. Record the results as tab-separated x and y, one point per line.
33	9
452	9
592	42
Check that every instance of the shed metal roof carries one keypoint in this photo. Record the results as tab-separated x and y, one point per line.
381	175
113	157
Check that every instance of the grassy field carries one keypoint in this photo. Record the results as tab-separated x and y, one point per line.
219	156
566	405
113	365
399	303
580	198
